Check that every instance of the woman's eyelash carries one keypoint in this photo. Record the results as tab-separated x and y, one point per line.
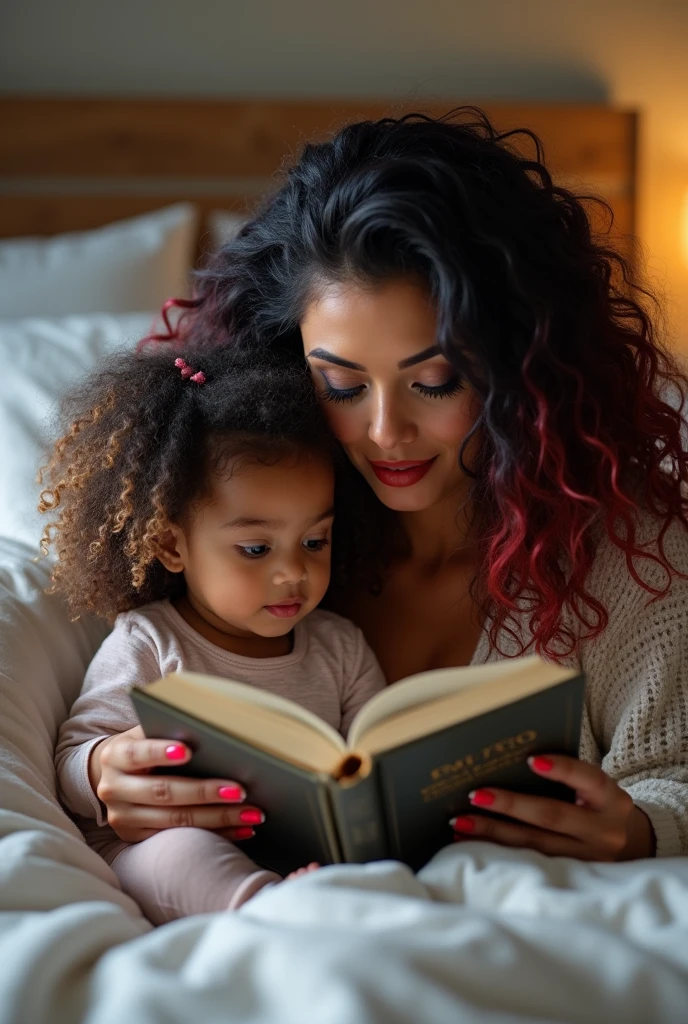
450	387
331	394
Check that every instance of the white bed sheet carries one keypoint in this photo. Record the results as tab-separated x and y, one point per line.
482	934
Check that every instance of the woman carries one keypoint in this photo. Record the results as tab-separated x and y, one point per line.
496	382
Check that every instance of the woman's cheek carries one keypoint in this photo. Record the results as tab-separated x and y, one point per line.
449	425
346	423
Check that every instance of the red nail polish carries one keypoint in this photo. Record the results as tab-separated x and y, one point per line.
175	752
541	764
462	824
244	833
251	817
482	798
234	793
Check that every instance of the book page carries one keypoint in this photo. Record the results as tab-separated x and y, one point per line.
264	719
419	705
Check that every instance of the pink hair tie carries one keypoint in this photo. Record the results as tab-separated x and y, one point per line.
188	372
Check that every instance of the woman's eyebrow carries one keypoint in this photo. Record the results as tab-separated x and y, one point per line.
419	357
327	357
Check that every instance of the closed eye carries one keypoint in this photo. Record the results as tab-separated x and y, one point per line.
450	387
331	394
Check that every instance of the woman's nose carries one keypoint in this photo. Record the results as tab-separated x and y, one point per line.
390	426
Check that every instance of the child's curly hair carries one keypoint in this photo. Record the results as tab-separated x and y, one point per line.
141	440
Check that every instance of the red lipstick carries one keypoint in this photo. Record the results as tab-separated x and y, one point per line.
402	473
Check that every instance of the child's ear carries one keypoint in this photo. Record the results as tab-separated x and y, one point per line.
172	548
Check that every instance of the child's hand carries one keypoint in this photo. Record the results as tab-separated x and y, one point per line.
300	872
139	804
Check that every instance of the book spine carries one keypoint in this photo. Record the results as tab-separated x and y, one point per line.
357	812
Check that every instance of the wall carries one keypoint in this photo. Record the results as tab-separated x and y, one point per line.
632	53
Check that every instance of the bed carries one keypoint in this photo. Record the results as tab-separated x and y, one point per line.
74	164
481	934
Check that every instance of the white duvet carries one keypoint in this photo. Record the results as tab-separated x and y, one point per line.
482	934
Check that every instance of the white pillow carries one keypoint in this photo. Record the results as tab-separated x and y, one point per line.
131	265
39	359
224	226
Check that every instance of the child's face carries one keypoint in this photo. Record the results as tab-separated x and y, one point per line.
256	554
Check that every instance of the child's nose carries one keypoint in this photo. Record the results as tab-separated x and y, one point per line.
292	570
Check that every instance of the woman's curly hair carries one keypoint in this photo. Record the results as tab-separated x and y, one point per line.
140	443
577	430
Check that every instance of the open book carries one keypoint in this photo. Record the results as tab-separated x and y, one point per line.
413	754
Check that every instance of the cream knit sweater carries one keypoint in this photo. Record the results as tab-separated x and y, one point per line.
636	710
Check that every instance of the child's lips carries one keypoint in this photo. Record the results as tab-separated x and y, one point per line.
285	609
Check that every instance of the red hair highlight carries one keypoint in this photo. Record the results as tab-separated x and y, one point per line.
172	332
542	543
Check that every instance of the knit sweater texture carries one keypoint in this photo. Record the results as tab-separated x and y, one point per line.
635	722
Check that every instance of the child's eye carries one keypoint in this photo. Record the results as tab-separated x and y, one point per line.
316	544
253	550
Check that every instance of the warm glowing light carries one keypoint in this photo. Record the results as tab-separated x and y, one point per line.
684	229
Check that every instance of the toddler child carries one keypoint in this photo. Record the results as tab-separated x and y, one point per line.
194	505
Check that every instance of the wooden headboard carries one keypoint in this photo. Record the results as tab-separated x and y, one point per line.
73	164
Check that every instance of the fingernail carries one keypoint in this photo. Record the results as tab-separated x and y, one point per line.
244	833
234	793
462	824
251	817
482	798
175	752
541	764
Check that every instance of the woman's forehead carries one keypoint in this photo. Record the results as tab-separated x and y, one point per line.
393	321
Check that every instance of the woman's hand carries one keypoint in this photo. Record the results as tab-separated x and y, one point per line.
140	804
604	824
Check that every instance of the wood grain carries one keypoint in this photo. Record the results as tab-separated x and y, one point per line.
143	140
66	137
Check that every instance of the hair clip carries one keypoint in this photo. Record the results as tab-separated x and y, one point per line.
188	372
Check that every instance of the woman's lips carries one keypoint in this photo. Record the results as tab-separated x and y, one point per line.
285	609
402	473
